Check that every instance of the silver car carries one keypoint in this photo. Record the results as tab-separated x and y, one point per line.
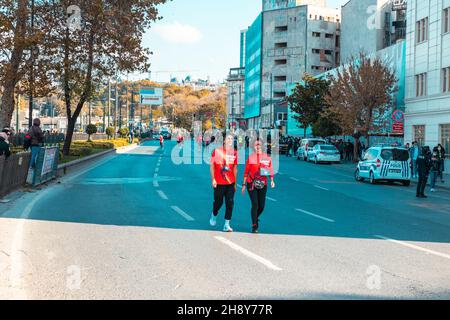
324	153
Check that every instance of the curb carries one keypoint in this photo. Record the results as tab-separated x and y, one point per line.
62	168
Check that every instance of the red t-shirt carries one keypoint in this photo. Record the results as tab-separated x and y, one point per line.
224	164
161	139
258	165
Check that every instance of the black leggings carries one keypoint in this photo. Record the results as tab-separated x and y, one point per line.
258	198
224	192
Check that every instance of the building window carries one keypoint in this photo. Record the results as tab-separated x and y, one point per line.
445	138
422	30
421	85
280	62
419	134
316	34
446	79
280	78
329	52
446	20
281	29
281	116
317	51
281	45
329	35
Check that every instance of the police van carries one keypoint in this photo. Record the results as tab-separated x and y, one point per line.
382	163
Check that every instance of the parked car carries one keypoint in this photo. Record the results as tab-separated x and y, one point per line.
306	146
166	134
324	153
385	164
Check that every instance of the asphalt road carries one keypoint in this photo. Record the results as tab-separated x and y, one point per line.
136	226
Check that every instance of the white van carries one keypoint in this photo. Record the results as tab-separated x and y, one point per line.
385	164
307	146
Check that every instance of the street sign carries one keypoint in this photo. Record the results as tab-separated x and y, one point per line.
398	127
398	116
151	96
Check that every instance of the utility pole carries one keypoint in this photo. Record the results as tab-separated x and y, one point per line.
17	113
90	111
116	118
271	101
109	102
31	84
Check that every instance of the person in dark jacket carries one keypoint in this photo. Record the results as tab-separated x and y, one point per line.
441	155
4	145
435	168
423	167
37	140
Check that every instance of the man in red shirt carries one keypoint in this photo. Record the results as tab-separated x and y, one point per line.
161	141
223	170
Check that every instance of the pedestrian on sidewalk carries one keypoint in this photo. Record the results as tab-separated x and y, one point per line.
435	168
257	171
37	141
414	154
223	169
4	145
423	169
441	155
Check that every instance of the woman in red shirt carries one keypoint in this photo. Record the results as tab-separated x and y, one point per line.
257	170
224	162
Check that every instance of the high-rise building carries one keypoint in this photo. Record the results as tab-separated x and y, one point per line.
371	25
428	73
288	39
242	48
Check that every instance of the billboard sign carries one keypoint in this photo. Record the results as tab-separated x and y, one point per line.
151	96
399	5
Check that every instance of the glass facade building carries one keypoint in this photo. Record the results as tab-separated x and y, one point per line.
253	63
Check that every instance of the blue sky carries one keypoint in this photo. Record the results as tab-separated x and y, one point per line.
201	37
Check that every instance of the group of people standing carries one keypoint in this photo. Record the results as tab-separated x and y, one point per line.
224	175
427	164
34	140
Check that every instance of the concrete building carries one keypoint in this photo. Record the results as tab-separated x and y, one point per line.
288	39
371	25
235	98
242	48
428	73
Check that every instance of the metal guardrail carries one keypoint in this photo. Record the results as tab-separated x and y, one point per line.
13	172
52	139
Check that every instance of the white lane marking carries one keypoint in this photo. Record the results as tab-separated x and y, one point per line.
294	179
239	186
322	188
162	195
249	254
315	215
271	199
182	213
405	244
157	170
155	184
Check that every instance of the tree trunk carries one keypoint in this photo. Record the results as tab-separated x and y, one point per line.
12	74
8	103
69	136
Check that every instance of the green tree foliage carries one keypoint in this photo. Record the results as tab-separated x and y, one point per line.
308	100
90	130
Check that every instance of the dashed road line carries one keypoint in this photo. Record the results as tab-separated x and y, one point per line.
162	195
315	215
294	179
249	254
412	246
182	213
155	183
271	199
322	188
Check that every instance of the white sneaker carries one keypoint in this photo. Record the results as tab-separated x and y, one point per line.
432	190
213	220
227	228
